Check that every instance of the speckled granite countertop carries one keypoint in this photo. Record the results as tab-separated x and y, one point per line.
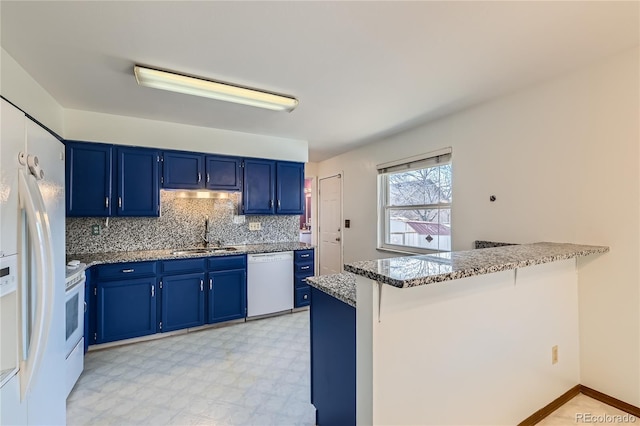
340	286
139	256
413	271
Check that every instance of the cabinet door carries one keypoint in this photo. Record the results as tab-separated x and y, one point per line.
88	179
182	170
259	187
290	188
223	173
227	295
126	309
138	182
182	301
89	311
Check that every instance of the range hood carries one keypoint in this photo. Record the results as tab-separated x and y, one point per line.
202	193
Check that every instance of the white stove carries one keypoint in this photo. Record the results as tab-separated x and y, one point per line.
74	322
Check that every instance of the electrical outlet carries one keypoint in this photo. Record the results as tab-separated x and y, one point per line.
95	229
554	354
255	226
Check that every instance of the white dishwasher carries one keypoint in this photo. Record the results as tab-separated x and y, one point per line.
269	283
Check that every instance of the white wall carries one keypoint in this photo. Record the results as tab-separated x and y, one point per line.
23	91
482	343
117	129
562	159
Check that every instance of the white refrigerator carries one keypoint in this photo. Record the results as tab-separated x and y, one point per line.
32	273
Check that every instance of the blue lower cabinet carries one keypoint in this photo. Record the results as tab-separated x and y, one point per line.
302	296
303	267
89	321
333	360
227	295
125	309
182	301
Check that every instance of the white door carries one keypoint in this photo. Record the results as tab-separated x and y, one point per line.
330	224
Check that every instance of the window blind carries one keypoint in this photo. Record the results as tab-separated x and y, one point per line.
417	162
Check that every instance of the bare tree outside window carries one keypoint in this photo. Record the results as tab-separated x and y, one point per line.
417	208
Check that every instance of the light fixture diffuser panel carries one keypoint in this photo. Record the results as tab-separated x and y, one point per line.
227	92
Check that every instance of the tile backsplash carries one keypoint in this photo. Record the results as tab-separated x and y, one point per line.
180	225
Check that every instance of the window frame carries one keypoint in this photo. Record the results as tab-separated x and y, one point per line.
384	208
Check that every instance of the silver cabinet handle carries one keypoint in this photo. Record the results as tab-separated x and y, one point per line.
305	297
208	179
305	255
106	202
270	203
278	204
85	306
126	271
305	267
201	285
153	290
210	283
199	177
120	202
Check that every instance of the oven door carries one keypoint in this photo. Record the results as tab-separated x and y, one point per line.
74	314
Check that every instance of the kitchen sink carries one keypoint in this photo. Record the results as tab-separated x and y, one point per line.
222	249
204	250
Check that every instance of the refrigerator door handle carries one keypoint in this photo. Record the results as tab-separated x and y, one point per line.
37	221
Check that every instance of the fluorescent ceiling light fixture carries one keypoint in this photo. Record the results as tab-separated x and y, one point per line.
212	89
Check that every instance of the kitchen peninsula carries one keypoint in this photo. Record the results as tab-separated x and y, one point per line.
452	338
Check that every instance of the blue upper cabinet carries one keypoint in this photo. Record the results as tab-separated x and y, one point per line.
138	183
182	170
289	188
258	195
102	180
223	173
273	187
88	179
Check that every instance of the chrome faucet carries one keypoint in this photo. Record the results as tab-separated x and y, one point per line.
205	236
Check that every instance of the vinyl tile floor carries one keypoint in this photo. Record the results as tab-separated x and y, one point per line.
253	373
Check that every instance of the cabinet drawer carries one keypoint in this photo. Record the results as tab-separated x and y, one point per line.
183	265
300	282
303	256
223	263
302	296
303	269
126	270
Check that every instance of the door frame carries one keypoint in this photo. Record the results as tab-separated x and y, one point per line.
339	175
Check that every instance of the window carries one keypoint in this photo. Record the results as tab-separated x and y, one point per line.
415	204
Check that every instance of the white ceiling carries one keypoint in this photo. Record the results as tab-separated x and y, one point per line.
360	69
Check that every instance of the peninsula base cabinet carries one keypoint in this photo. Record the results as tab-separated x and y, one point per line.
333	360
